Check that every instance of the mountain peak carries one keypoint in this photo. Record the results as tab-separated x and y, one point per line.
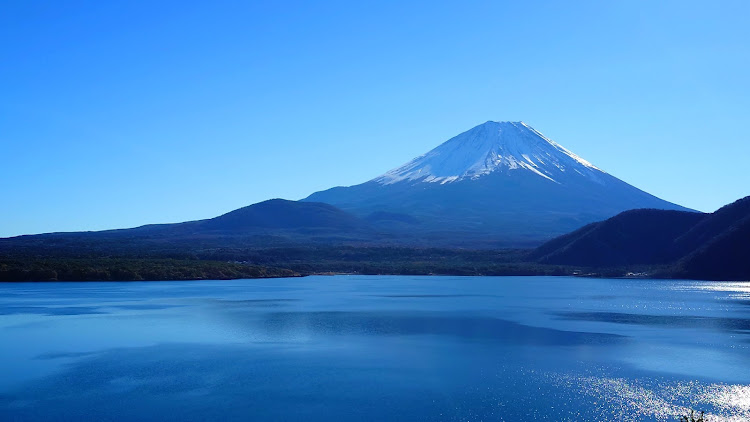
490	148
502	183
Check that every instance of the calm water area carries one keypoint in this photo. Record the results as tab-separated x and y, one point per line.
377	348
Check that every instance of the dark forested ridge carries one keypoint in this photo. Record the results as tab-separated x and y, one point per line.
712	246
723	251
633	237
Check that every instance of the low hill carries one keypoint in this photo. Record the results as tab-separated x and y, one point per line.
275	222
285	215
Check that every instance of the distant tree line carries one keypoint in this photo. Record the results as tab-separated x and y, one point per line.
128	269
82	259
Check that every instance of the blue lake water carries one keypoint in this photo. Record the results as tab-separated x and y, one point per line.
375	348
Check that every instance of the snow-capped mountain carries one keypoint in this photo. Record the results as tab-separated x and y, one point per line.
498	184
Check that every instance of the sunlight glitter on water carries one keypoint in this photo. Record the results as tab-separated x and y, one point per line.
729	402
740	290
662	401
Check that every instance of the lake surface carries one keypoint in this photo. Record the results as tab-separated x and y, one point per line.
375	348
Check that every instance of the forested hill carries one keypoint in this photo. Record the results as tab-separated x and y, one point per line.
712	246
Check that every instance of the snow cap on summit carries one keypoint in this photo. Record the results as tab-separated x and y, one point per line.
493	147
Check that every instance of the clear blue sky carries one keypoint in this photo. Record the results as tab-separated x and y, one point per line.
121	113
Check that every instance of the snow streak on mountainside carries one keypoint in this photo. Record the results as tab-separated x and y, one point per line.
491	147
